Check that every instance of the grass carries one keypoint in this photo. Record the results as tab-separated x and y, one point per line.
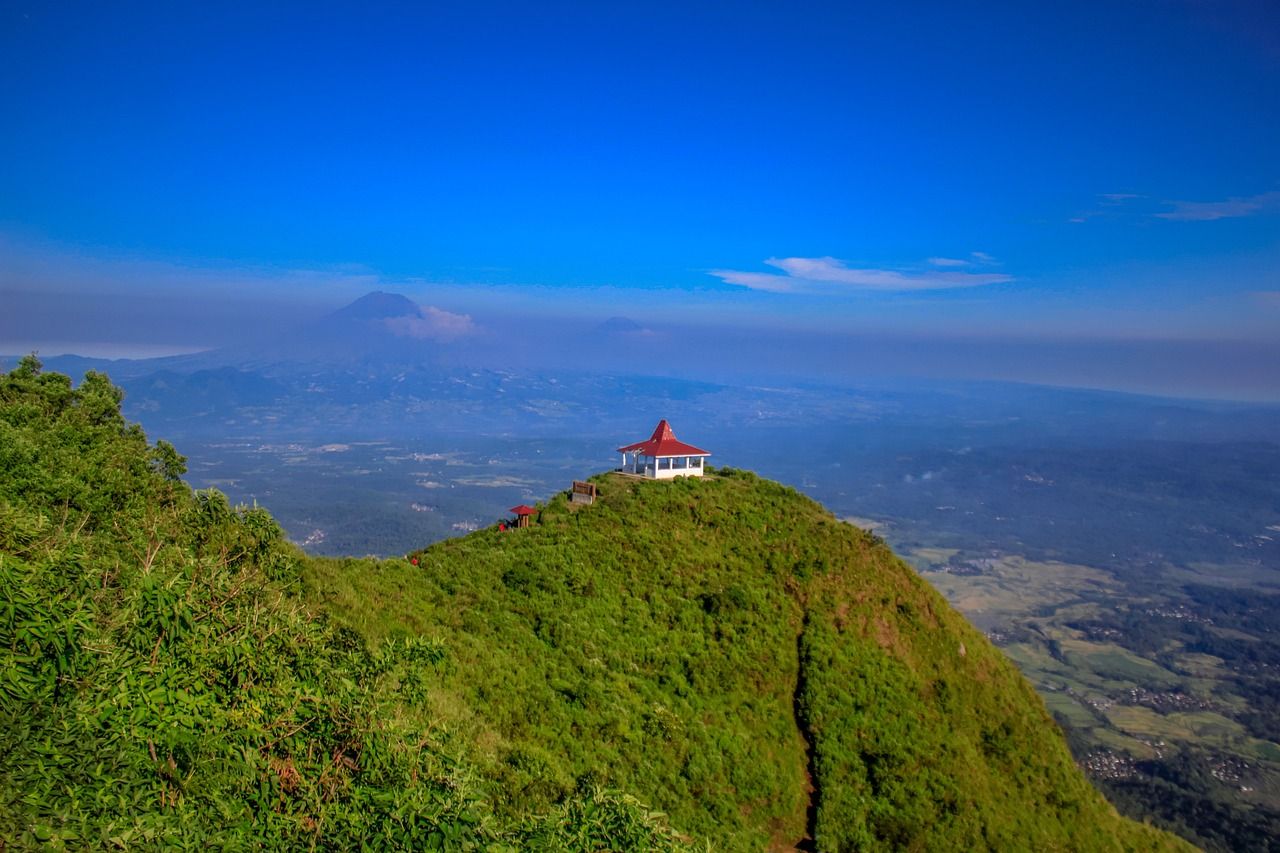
164	688
1115	664
927	557
668	668
656	641
1201	726
1115	740
1076	715
1013	587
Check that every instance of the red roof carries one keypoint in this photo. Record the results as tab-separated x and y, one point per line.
663	442
523	509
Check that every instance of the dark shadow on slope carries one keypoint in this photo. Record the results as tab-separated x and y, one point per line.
809	841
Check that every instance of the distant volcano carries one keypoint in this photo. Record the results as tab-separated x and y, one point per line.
382	315
624	328
378	305
619	325
379	326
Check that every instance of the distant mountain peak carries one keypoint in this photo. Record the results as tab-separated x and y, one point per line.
620	325
378	305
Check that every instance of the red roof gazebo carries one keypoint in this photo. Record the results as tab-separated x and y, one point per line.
663	456
523	513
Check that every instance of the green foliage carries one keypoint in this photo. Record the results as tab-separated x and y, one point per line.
161	688
703	644
1239	631
925	737
1189	807
690	654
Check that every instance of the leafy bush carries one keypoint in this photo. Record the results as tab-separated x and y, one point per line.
716	654
704	644
161	687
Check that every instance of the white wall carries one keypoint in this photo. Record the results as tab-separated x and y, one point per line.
651	468
671	473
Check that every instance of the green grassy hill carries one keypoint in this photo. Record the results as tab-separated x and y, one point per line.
163	686
729	652
712	662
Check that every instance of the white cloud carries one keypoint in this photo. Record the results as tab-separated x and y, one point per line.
1109	205
1207	211
1136	206
434	324
949	262
830	275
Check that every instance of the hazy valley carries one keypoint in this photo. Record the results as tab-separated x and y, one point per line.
1124	551
1071	526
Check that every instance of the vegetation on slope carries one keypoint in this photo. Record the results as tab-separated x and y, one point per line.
162	687
722	649
728	651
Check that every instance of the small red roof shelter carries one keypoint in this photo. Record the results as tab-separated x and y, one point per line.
523	512
663	456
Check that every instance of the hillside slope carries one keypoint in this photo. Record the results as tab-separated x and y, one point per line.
727	651
723	650
162	687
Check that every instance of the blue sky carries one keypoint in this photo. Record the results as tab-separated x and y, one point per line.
1030	171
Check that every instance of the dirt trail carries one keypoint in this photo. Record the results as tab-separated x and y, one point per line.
808	842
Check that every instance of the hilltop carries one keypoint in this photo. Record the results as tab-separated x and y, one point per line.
717	661
729	652
162	685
